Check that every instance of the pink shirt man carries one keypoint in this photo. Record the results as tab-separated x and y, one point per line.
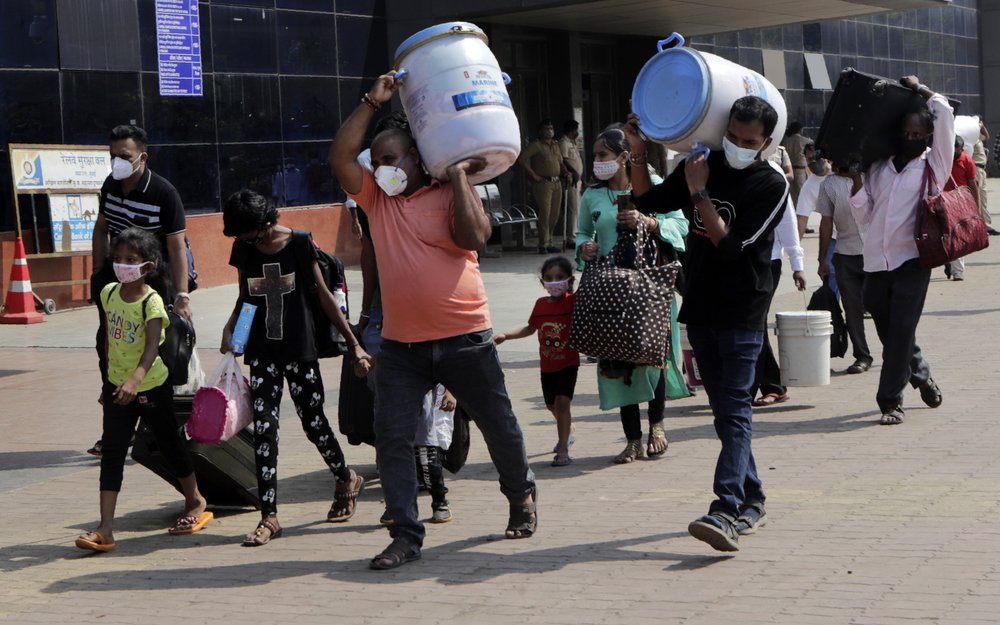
431	288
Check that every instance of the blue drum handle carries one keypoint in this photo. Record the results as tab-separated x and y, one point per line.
506	78
676	39
401	74
699	148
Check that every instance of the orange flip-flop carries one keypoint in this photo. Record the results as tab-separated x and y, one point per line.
101	544
196	523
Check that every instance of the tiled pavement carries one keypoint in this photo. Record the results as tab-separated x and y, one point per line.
868	524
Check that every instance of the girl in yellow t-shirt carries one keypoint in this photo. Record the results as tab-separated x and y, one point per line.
138	386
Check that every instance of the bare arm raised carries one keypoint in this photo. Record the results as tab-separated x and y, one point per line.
347	144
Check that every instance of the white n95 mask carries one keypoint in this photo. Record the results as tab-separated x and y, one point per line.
122	168
391	178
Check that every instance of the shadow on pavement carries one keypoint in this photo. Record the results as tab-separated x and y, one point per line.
463	562
14	460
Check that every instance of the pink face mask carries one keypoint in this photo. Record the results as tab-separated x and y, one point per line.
128	273
558	288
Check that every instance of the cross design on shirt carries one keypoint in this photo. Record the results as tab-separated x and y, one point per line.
273	286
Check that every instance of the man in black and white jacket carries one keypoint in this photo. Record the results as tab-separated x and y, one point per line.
734	200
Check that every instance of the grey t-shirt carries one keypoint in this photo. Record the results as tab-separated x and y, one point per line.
835	201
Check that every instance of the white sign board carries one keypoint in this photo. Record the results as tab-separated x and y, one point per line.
73	217
59	168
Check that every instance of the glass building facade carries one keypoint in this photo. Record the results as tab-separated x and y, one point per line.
281	75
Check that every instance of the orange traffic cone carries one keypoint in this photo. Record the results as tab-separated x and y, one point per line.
19	307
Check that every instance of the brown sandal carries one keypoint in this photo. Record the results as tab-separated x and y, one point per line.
345	499
258	537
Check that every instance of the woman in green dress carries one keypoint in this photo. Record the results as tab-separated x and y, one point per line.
597	232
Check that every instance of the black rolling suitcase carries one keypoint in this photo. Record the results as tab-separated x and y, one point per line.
227	473
863	119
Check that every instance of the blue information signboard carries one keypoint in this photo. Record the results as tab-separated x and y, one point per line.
178	42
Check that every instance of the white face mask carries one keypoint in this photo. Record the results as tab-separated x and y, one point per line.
737	157
606	170
391	178
122	168
128	273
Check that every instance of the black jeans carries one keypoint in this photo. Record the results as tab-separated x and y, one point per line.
632	423
896	300
156	408
767	376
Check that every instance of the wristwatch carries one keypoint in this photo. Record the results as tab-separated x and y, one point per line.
698	196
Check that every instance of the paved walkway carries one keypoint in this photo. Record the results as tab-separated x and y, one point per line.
868	524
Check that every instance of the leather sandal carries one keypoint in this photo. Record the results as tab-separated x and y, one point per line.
398	552
258	537
631	453
345	499
523	522
656	435
931	394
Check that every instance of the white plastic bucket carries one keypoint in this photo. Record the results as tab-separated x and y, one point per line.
456	100
804	347
683	97
967	127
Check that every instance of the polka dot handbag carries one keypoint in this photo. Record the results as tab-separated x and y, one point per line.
622	312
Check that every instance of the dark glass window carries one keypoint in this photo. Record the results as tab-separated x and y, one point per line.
29	108
243	40
812	37
306	5
249	166
795	70
752	58
318	186
351	90
307	43
361	46
848	37
193	169
107	39
729	40
147	31
309	108
28	34
96	102
792	36
247	108
831	37
866	47
264	4
772	39
880	41
174	119
361	7
750	38
896	42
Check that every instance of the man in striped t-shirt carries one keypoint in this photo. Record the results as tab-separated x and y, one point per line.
134	196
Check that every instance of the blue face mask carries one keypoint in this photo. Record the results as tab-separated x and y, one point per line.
737	157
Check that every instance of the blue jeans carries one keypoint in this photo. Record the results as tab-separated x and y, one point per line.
727	360
469	367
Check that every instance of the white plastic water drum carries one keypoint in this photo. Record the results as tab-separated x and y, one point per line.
683	97
455	97
804	347
967	127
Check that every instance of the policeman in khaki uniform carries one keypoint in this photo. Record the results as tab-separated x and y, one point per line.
543	161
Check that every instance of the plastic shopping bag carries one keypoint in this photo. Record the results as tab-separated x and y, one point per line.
196	377
222	409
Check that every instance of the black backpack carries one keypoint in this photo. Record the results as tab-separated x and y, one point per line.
329	342
178	343
825	299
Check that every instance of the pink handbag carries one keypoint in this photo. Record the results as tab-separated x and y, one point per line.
221	410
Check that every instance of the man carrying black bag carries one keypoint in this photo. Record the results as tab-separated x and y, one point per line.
895	284
734	201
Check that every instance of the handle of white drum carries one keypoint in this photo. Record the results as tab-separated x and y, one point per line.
676	39
401	74
506	78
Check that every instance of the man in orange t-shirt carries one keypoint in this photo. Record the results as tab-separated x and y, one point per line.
963	174
437	327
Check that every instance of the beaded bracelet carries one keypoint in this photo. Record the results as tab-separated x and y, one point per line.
370	101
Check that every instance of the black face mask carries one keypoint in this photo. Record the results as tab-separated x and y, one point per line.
912	148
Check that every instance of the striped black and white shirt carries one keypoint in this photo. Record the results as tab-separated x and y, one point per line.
727	286
154	205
